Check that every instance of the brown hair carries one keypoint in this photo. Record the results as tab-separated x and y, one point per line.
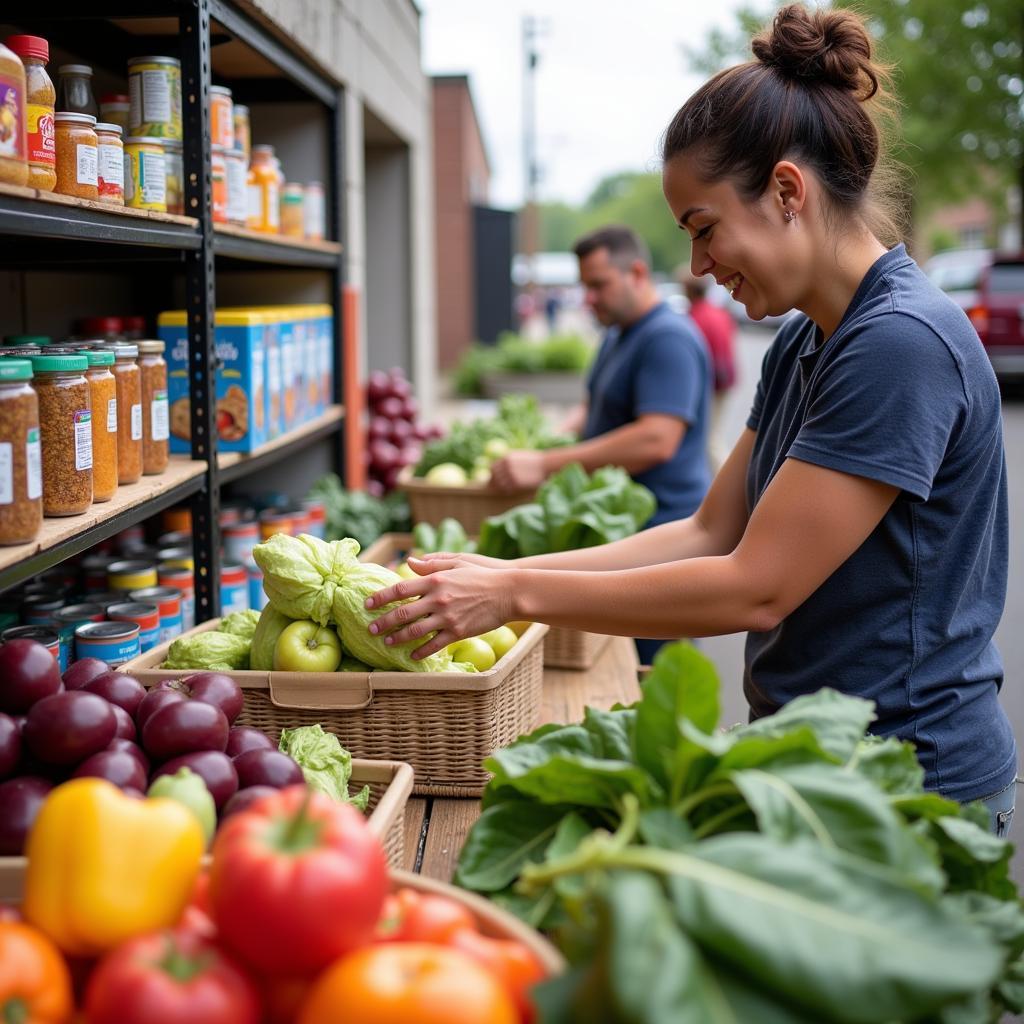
814	93
624	245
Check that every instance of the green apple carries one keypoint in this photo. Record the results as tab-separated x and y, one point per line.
446	474
496	448
519	627
501	641
481	475
476	651
405	572
306	646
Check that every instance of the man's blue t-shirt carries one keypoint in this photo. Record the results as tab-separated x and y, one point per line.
657	365
901	393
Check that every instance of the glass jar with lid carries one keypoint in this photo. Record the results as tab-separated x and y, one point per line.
65	427
21	486
129	411
292	223
103	396
77	155
155	413
110	163
40	98
263	209
74	90
13	145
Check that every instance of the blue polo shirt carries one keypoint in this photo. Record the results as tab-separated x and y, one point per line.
902	393
657	365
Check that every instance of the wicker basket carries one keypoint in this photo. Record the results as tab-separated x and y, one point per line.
470	505
563	648
491	920
442	723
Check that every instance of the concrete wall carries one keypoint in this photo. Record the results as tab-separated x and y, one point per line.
372	47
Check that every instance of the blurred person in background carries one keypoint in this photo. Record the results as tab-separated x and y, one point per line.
719	330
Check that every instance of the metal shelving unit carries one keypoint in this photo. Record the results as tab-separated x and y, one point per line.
58	232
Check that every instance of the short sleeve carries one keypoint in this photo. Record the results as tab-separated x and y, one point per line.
885	406
672	376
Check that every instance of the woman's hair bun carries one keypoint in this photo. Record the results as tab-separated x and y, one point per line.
829	46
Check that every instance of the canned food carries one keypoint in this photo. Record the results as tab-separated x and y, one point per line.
316	512
219	184
222	122
234	589
105	598
257	595
154	97
175	539
243	137
182	578
39	609
130	536
177	556
45	635
168	603
238	173
234	511
67	620
277	521
94	571
146	616
131	575
239	540
174	172
112	642
145	174
178	520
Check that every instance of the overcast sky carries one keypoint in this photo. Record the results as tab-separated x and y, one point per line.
611	75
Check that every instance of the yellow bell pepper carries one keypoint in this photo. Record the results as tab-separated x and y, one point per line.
103	867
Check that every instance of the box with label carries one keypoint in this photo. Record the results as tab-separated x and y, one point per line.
241	411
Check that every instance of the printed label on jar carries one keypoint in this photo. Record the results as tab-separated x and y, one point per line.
12	134
33	464
112	416
160	423
6	473
83	439
136	422
42	142
156	96
87	168
254	203
273	206
111	171
152	178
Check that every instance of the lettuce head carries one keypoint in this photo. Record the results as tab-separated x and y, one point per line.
270	626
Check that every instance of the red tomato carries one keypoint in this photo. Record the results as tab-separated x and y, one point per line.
170	977
512	963
411	916
297	881
407	983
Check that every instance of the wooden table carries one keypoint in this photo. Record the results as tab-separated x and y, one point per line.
436	827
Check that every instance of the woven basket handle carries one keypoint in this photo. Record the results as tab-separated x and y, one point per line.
345	691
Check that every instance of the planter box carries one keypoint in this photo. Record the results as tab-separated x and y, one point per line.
547	388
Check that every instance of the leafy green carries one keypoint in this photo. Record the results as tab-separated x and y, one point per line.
240	623
271	625
788	870
572	510
210	650
325	763
357	514
565	353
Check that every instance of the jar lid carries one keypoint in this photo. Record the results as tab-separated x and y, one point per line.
135	323
122	350
133	607
314	184
130	566
71	117
110	98
74	69
53	364
26	339
240	108
151	348
220	90
263	150
79	613
30	46
171	61
98	358
15	369
101	325
106	126
46	635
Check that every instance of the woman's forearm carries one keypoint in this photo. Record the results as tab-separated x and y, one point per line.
669	542
702	596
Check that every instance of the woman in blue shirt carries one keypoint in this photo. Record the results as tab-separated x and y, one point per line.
858	530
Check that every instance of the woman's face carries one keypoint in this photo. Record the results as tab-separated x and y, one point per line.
748	247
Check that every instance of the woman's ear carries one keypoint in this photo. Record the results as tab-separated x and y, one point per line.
788	187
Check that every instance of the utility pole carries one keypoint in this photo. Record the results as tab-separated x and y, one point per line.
530	226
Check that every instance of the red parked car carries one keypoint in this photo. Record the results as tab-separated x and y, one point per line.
998	314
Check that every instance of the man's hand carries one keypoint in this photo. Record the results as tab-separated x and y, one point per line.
519	471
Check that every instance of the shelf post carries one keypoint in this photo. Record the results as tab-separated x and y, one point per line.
337	185
200	302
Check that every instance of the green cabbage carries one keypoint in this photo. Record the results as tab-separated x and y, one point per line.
210	650
301	574
270	626
325	763
240	623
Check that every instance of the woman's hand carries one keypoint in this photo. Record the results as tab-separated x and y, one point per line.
458	598
484	561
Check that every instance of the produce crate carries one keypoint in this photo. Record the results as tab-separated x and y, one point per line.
442	723
563	648
470	504
491	920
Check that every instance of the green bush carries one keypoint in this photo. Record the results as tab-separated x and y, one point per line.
560	353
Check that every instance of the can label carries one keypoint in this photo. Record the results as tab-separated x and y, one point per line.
154	100
148	639
171	625
145	179
42	143
113	652
234	597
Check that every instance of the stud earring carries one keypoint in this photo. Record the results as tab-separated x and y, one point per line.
788	215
